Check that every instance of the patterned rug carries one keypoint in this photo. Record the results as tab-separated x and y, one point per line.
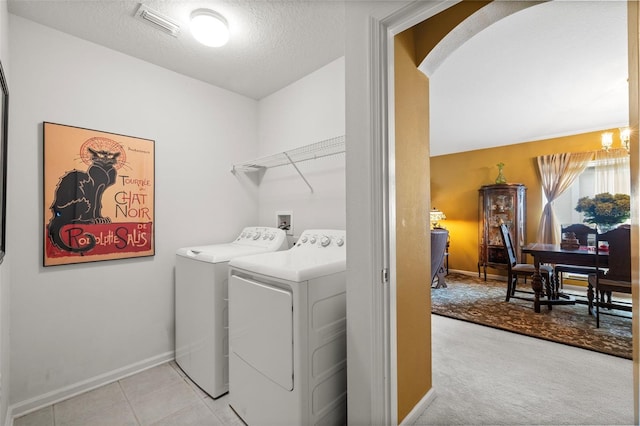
472	299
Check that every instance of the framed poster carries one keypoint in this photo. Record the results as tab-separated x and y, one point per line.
98	195
4	135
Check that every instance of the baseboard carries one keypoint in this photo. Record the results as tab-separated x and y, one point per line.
419	408
25	407
475	274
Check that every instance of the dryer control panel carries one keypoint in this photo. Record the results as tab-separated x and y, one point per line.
261	236
331	239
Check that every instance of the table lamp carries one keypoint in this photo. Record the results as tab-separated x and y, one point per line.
436	216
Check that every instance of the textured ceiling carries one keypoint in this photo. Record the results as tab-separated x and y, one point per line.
272	43
549	70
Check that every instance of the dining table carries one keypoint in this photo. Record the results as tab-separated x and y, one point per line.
552	254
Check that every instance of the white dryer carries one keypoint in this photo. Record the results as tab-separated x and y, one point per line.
201	310
287	333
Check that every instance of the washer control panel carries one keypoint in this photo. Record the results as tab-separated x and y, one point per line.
261	236
322	238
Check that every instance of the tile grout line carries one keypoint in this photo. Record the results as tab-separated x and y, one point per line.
126	397
202	398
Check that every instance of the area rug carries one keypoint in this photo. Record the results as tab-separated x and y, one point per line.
482	302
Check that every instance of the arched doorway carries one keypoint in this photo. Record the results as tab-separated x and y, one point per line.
371	302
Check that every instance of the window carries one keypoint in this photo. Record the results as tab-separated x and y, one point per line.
609	172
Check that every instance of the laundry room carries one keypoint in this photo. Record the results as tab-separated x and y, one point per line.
75	327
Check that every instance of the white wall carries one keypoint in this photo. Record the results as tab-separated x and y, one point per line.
77	326
307	111
365	408
4	267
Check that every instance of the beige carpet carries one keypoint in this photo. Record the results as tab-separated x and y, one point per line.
482	302
484	376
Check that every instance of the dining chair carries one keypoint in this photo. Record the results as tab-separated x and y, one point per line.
616	277
515	269
439	238
582	233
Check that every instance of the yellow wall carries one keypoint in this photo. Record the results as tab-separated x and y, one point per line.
412	183
456	178
411	89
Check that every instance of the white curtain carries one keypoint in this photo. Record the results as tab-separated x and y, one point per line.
612	172
557	173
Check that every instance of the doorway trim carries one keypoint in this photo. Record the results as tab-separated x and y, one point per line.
381	63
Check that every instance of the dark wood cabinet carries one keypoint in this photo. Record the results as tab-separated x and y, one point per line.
500	203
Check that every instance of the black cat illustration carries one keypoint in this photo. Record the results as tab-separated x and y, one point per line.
78	199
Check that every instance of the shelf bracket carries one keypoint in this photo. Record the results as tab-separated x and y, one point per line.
298	170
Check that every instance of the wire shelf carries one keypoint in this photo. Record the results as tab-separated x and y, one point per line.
312	151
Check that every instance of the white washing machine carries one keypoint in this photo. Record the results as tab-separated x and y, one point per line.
201	309
287	333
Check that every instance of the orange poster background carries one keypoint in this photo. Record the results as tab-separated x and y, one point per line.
127	203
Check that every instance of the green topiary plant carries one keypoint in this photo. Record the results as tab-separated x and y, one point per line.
605	210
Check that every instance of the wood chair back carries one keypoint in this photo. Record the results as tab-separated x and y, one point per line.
617	277
515	269
619	259
508	245
580	230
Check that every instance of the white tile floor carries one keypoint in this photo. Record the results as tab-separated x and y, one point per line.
159	396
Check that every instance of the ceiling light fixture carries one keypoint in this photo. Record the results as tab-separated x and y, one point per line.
159	21
209	27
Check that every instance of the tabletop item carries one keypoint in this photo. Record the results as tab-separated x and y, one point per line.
570	242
